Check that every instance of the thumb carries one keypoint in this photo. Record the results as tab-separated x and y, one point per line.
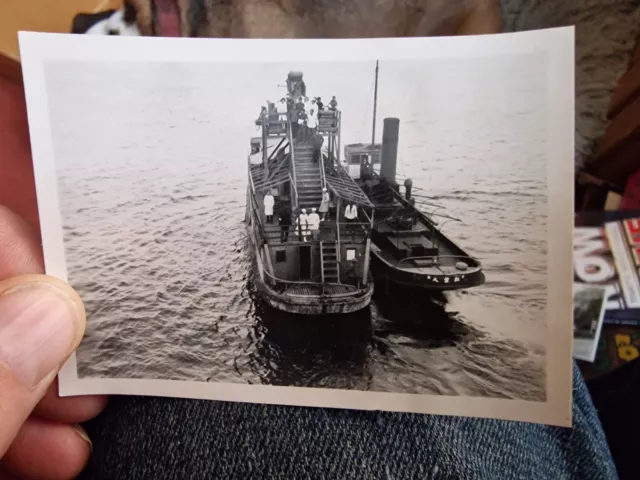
41	322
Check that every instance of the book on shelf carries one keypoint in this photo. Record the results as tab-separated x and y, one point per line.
607	254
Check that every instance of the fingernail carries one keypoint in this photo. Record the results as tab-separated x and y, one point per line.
37	328
83	435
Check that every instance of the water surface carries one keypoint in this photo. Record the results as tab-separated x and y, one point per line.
152	182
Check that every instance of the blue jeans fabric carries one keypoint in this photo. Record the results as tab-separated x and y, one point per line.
154	438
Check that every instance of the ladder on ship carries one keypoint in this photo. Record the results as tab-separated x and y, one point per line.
308	180
329	262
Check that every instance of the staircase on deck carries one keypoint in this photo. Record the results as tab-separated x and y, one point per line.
308	182
329	262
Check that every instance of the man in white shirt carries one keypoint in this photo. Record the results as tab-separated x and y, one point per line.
324	204
282	109
312	122
351	212
269	201
351	215
314	225
303	224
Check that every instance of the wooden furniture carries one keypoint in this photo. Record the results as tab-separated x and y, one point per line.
618	154
42	16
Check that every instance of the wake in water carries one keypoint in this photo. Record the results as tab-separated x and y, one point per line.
406	342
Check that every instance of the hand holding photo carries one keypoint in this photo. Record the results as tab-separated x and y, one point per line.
339	223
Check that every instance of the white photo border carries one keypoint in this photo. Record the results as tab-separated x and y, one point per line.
556	44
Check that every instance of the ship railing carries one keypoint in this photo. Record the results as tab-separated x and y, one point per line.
271	233
328	121
366	215
287	286
323	177
294	189
345	229
292	174
451	259
274	127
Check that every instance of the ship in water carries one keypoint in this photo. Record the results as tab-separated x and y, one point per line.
408	246
304	265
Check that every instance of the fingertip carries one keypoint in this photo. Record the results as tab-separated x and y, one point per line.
70	409
46	450
62	290
20	250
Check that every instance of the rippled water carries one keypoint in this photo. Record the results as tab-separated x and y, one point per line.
152	187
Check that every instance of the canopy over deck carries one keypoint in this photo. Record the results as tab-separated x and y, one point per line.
343	186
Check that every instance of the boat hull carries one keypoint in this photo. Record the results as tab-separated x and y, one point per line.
385	272
330	303
314	305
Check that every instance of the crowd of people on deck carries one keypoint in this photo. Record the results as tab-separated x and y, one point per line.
302	112
307	223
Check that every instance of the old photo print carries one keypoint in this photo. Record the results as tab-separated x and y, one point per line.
356	224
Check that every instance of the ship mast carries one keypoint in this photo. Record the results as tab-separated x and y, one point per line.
375	105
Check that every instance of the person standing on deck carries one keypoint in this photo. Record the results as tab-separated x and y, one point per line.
284	220
314	225
317	141
269	201
273	112
307	112
319	104
282	108
408	185
294	122
303	224
324	204
302	126
264	119
312	123
351	215
282	113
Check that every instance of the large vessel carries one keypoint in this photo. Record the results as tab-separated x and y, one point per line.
408	246
297	269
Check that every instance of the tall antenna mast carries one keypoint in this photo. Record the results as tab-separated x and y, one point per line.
375	105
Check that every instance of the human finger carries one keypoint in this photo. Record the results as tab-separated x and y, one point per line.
48	450
20	254
42	321
69	409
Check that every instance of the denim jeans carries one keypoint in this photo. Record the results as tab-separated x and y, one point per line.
155	438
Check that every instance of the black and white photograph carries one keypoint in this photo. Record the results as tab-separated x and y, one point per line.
330	226
589	305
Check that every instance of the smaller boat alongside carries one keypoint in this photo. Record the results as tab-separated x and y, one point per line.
408	246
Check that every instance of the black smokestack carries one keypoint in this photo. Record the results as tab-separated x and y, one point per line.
390	130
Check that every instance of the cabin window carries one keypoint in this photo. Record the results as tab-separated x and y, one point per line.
351	253
281	256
